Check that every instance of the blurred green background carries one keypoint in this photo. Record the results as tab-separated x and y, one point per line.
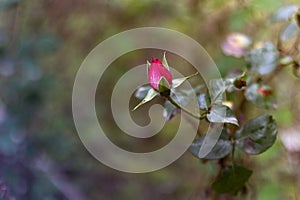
43	43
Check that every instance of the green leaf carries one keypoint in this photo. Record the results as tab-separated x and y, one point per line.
284	13
177	82
165	62
290	31
164	87
232	180
222	114
263	60
216	90
142	91
163	84
257	135
169	110
150	95
221	149
203	101
255	95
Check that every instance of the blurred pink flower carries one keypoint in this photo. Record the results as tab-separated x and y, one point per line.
156	72
236	44
291	139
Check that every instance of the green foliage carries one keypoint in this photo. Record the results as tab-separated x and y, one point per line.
254	137
222	114
217	88
164	87
232	179
257	135
221	149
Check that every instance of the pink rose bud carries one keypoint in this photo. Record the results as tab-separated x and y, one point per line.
156	72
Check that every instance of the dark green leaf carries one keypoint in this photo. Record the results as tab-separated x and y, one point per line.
222	114
221	149
142	91
257	135
261	95
169	110
232	180
263	60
